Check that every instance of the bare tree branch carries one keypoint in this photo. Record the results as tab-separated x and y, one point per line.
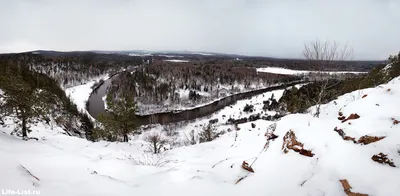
322	55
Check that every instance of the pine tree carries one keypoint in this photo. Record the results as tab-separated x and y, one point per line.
22	101
119	120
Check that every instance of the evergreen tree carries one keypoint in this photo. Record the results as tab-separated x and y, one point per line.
22	101
119	120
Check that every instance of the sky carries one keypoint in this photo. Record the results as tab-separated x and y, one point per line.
274	28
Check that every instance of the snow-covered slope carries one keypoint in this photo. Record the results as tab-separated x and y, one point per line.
72	166
81	93
284	71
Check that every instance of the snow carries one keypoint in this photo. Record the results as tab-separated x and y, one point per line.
177	61
80	94
202	53
171	56
140	54
207	98
73	166
284	71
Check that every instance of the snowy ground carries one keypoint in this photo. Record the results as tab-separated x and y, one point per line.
71	166
80	94
279	70
177	60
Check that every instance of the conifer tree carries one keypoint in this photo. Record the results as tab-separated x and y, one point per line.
22	101
119	120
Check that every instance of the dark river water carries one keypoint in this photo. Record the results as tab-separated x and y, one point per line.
96	106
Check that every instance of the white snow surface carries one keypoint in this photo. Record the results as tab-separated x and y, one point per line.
80	94
73	166
284	71
177	60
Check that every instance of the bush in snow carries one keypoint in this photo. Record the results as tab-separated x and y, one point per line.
209	133
248	108
170	130
191	139
156	160
156	141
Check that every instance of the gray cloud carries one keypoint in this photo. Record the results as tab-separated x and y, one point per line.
276	28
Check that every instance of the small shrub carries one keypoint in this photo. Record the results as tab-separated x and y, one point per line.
156	141
208	134
156	160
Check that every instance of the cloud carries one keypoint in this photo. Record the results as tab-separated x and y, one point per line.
276	28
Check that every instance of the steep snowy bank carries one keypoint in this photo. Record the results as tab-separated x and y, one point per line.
80	94
72	166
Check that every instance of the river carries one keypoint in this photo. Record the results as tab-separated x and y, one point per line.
96	106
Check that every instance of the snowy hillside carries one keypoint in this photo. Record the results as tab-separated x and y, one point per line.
284	71
62	165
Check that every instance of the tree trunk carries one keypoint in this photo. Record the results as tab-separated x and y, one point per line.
155	147
125	138
24	129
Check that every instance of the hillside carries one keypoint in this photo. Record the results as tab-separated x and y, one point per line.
62	165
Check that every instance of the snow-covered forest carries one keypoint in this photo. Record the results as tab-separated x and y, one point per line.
167	86
71	69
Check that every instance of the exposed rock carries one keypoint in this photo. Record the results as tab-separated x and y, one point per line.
369	139
341	118
343	135
395	122
272	136
340	113
246	166
213	121
351	117
290	143
364	96
347	189
307	153
383	159
253	125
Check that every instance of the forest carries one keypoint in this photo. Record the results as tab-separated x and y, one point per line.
71	68
166	86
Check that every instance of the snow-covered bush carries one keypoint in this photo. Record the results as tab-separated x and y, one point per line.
209	133
156	160
156	142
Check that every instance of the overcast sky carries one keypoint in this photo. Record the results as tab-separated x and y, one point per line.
276	28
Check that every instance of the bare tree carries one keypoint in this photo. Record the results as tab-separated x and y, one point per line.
322	55
156	141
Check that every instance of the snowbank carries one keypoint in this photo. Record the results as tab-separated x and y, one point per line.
80	94
177	61
279	70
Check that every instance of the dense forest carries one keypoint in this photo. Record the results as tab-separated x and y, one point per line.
71	68
163	86
29	97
